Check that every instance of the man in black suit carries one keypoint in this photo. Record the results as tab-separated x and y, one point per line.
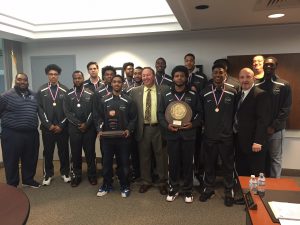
250	126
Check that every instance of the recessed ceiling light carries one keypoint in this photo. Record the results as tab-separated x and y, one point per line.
276	15
202	6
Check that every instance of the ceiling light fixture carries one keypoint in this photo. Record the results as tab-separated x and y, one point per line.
276	15
202	7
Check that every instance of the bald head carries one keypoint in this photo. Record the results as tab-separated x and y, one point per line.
246	78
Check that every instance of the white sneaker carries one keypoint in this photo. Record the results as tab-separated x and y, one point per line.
171	197
125	193
103	190
47	181
66	178
188	198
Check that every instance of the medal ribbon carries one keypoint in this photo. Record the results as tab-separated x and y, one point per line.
213	91
179	99
53	97
96	83
129	84
162	79
190	78
78	99
106	88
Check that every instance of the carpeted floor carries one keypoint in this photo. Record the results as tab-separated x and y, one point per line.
60	204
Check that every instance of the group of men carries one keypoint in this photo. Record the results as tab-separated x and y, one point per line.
236	121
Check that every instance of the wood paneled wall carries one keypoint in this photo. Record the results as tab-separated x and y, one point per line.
288	69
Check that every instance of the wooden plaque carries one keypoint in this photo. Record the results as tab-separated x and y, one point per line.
178	113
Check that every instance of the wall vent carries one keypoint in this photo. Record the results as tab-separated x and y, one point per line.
276	4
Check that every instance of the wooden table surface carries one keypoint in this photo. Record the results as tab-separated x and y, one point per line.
261	215
14	205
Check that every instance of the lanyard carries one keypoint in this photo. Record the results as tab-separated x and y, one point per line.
106	88
179	99
217	102
128	85
75	93
53	96
162	79
96	83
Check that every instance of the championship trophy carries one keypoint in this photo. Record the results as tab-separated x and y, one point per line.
178	113
115	124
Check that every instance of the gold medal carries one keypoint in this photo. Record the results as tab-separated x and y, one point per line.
112	113
54	104
217	109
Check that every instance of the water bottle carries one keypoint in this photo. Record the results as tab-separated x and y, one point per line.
253	184
261	184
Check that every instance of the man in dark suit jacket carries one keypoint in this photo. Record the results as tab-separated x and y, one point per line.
148	133
250	126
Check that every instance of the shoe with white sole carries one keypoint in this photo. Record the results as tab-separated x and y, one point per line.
66	178
32	184
171	196
103	190
188	197
47	181
125	192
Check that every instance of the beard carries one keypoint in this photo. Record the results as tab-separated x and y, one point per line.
22	89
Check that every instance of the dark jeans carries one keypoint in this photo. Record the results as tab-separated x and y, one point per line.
18	145
49	141
120	148
85	141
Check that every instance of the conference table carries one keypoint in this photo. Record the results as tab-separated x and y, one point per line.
261	215
14	205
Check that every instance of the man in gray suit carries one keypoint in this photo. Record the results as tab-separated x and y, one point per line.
148	134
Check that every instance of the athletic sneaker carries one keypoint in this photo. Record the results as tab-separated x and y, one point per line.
188	197
66	178
125	192
103	190
228	201
206	195
171	196
32	184
47	181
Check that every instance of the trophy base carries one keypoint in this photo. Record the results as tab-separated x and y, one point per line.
113	134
